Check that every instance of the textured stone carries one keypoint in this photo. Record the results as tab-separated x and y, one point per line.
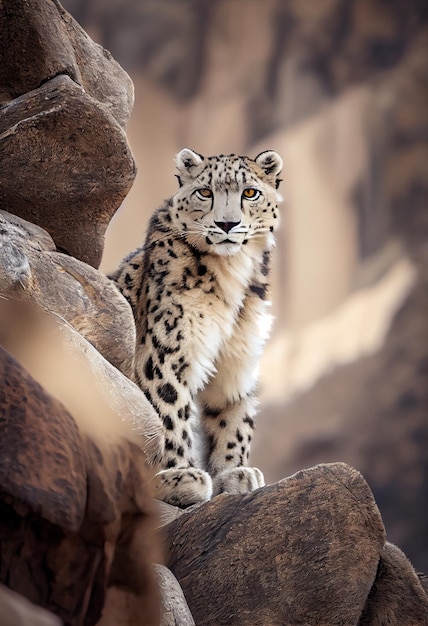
42	462
304	550
40	40
32	271
65	163
75	509
174	609
309	549
397	596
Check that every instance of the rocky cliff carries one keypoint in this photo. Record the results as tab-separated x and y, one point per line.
78	525
339	89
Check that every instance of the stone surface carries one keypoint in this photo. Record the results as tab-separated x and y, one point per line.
69	368
32	271
174	609
304	550
65	163
397	596
40	40
76	516
309	549
76	505
41	466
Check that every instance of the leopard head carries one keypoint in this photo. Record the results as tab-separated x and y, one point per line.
227	202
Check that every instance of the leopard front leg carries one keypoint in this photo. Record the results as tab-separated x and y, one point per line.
229	431
179	479
229	403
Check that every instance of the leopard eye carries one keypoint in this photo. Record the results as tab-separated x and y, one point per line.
251	193
204	193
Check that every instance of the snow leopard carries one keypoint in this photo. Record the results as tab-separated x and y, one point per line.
198	289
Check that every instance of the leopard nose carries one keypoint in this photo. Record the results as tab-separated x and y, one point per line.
226	226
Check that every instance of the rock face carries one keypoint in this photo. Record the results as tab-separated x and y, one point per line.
64	156
70	508
339	89
174	609
33	271
77	522
309	549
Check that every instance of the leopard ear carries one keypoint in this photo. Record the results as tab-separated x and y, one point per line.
271	163
188	162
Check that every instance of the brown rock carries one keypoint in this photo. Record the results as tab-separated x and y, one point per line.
397	596
75	515
40	40
68	367
40	466
32	271
65	163
174	609
304	550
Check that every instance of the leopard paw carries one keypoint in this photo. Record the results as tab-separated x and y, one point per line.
183	486
238	480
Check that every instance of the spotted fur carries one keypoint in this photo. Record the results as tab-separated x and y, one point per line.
198	292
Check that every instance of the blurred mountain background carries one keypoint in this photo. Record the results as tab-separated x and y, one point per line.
340	89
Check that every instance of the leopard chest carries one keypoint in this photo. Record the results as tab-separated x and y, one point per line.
175	270
192	306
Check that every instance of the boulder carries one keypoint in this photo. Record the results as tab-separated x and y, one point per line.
174	609
32	271
65	163
74	507
309	549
